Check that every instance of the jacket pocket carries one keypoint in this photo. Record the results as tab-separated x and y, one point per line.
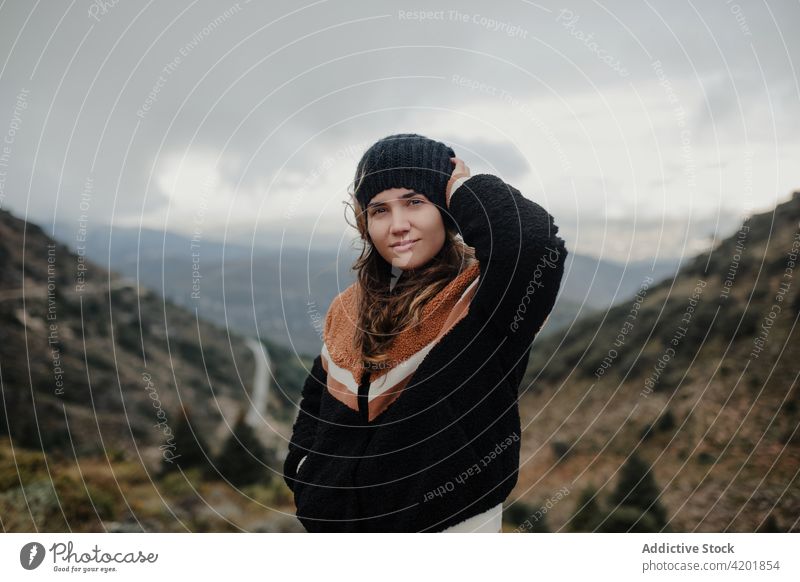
302	469
304	485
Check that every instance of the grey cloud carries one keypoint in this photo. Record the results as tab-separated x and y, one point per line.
384	71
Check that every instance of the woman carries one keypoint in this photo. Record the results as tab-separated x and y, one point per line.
409	419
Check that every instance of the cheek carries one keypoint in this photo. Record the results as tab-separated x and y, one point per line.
433	222
374	231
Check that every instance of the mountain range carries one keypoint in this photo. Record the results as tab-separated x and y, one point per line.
690	368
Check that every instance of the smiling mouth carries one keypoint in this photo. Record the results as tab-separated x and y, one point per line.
405	246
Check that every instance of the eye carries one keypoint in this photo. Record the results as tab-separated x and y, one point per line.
375	211
415	200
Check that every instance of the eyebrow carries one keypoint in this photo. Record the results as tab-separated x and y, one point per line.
406	195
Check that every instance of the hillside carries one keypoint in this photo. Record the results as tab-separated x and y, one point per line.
102	378
696	374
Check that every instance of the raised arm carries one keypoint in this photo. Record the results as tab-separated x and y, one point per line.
521	258
305	426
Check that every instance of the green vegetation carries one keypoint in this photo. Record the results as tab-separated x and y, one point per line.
188	449
243	459
524	517
633	506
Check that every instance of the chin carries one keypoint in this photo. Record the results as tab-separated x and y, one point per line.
410	265
403	266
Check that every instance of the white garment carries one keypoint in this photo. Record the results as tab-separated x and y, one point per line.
490	521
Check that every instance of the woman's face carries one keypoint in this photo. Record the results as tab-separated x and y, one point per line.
400	214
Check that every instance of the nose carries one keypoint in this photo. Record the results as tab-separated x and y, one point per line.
399	223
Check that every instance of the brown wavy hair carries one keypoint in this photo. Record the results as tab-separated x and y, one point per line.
386	310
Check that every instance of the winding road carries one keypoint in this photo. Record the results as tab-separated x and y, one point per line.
256	413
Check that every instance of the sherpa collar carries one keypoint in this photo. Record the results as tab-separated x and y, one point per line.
341	358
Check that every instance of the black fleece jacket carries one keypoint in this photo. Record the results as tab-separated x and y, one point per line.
448	449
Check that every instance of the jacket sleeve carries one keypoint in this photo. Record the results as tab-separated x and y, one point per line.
521	259
305	426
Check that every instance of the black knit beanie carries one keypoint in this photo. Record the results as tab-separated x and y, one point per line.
406	160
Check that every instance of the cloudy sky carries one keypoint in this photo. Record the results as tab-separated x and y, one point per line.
643	127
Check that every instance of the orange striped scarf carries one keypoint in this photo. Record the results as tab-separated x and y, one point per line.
342	360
